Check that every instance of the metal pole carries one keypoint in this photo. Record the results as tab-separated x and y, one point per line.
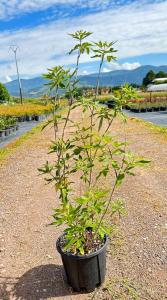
14	49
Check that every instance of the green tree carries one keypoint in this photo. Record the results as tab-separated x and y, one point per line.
4	94
150	76
161	74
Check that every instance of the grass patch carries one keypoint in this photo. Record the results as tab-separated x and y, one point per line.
121	289
117	288
151	126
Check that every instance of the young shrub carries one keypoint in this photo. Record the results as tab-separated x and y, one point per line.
91	153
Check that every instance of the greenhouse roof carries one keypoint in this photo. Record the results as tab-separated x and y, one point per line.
160	79
157	87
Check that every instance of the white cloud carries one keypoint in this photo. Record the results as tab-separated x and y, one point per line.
114	66
8	79
11	8
85	72
139	30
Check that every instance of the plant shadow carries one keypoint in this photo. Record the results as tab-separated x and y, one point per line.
42	282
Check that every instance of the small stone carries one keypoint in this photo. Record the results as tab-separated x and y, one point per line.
49	256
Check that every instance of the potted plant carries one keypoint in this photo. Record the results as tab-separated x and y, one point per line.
2	128
92	155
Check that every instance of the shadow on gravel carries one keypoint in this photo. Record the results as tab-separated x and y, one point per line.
41	282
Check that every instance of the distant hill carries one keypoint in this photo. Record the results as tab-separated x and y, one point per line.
35	87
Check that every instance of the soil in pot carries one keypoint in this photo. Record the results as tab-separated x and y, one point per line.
84	272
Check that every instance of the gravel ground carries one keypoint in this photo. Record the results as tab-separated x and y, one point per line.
30	267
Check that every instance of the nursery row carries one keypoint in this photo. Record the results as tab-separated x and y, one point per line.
28	118
25	110
153	95
149	106
8	125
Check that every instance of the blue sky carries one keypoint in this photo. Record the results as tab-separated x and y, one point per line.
40	27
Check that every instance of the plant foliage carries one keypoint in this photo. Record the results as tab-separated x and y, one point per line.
90	152
4	94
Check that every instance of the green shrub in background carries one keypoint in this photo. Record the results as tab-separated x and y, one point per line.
4	94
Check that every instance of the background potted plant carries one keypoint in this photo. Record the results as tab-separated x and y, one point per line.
94	155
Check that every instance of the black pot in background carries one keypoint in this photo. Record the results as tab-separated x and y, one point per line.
28	118
150	109
84	272
135	110
36	118
21	119
156	108
162	108
7	132
143	110
2	133
111	104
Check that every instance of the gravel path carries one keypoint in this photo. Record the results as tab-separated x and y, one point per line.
30	268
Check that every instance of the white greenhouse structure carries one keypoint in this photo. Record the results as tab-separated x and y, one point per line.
160	87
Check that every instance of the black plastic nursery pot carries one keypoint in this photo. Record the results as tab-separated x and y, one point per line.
28	118
156	109
21	119
162	108
135	110
111	104
150	109
84	272
37	118
143	110
7	132
2	133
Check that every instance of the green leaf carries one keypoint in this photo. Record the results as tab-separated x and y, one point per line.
120	178
143	162
100	123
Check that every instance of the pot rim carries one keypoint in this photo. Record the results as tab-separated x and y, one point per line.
80	257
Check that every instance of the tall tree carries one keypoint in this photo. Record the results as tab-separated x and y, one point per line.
161	74
150	76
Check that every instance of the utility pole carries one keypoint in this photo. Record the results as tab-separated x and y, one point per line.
14	49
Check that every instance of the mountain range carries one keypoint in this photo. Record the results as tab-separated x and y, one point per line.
35	87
